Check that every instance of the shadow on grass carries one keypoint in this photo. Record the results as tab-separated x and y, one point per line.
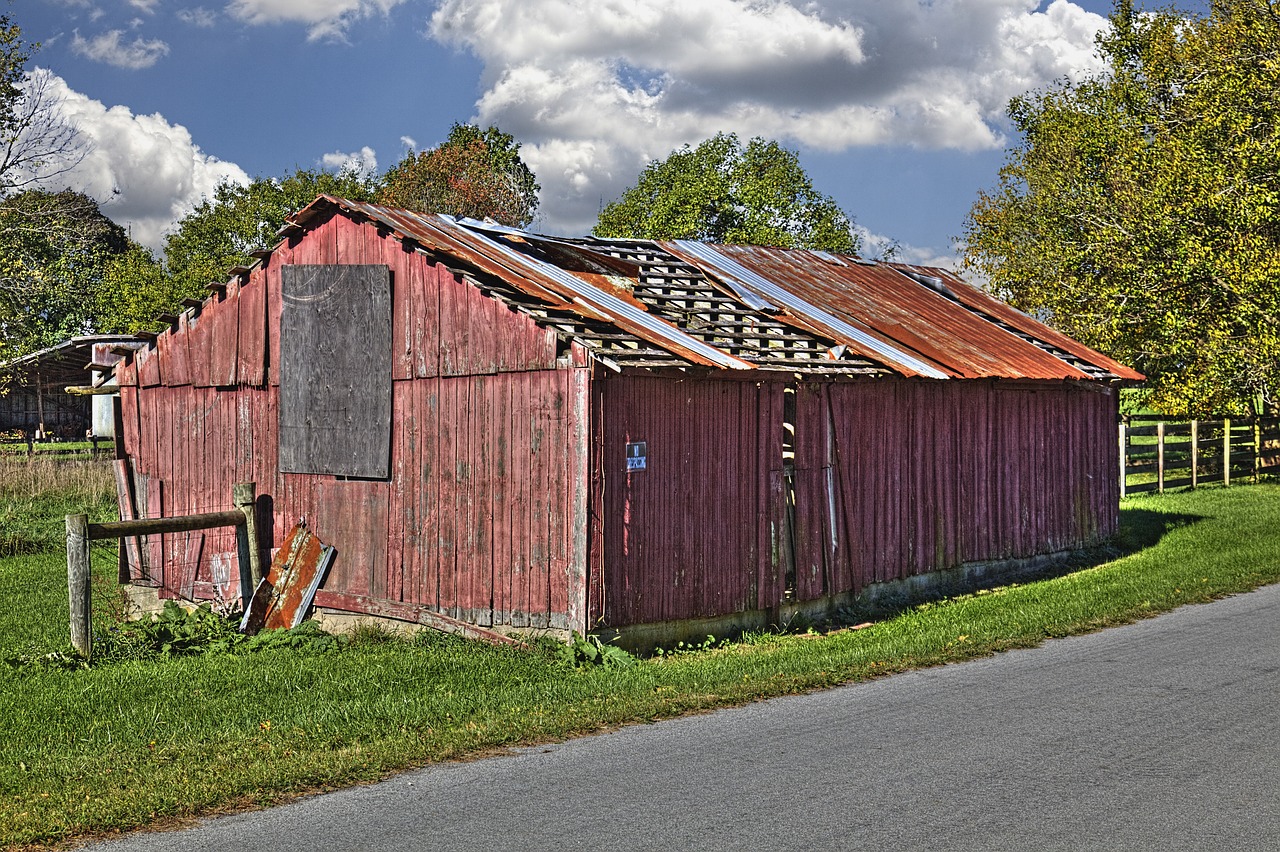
1143	528
1139	529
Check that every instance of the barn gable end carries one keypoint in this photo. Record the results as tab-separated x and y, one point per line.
439	529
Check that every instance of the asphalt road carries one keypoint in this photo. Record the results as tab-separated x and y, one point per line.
1159	735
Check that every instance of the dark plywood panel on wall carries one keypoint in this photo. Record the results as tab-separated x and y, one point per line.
335	370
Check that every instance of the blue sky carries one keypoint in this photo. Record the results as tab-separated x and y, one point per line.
896	106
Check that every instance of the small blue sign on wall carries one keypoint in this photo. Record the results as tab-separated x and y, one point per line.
637	455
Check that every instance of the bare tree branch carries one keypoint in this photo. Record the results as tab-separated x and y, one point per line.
37	143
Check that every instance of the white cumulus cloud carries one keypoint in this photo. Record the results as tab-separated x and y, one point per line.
111	48
145	172
323	18
363	162
595	91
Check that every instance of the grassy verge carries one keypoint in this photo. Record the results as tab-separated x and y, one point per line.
37	493
126	744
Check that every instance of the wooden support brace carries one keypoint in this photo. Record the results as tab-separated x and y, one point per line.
1195	453
1123	475
1226	451
1160	457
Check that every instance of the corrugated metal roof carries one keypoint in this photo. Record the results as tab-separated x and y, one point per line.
913	316
489	250
65	363
997	311
647	303
762	292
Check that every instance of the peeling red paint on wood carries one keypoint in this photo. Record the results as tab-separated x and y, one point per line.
675	546
148	367
199	329
251	345
174	362
223	337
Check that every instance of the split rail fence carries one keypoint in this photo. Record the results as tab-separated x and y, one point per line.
1157	454
80	533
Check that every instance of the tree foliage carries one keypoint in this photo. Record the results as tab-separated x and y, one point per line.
475	173
220	232
725	192
1141	212
134	290
57	251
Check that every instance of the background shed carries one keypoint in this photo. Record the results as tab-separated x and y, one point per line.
522	431
33	397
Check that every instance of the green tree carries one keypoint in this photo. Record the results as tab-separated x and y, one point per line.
220	232
475	173
134	290
725	192
1141	211
55	250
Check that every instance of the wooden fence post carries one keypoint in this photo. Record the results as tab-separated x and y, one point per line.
1257	447
1226	451
1160	457
1123	458
1195	453
79	584
246	500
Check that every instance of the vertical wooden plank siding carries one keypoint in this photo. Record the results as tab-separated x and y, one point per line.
680	536
174	363
223	338
197	332
971	472
578	496
251	346
892	479
148	368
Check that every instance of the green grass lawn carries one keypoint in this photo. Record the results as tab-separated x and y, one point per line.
126	744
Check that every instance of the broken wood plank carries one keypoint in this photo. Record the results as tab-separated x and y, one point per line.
408	612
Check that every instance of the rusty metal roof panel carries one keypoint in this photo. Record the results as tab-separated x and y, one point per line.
489	250
917	318
976	299
647	303
740	268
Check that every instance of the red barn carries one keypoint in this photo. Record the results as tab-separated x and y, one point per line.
521	431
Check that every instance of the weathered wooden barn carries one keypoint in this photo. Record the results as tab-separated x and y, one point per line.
523	431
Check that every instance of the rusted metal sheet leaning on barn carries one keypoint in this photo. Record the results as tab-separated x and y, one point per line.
284	595
583	434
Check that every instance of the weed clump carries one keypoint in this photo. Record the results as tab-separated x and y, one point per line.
590	651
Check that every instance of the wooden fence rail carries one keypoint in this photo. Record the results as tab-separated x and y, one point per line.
80	532
1158	454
